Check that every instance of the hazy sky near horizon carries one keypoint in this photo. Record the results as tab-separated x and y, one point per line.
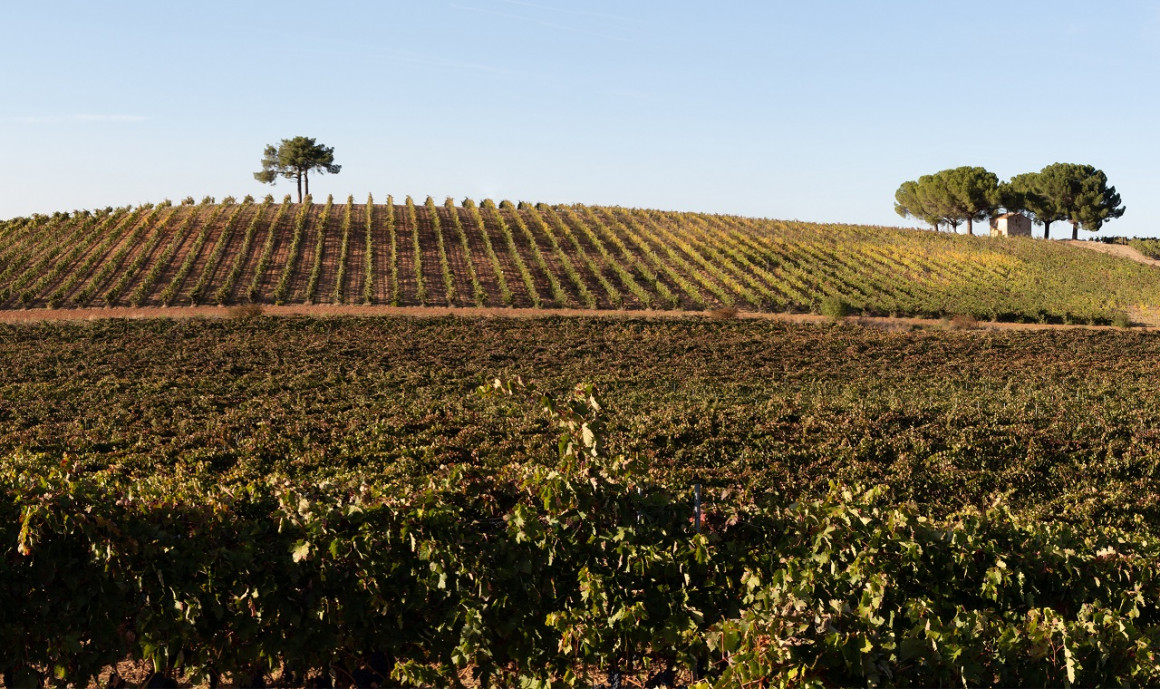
795	110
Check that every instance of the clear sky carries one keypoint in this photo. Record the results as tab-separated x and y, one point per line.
810	110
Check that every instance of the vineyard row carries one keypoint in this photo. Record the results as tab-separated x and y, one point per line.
540	256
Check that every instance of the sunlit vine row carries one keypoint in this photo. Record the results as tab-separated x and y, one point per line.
444	264
479	295
96	254
301	220
552	219
587	299
109	266
169	294
417	251
223	293
319	250
559	296
214	259
505	293
338	296
267	254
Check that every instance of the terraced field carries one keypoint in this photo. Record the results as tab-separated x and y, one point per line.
540	256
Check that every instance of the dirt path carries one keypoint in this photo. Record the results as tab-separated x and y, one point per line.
1120	250
332	310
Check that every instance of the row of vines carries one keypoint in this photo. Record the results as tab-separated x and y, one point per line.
588	571
541	256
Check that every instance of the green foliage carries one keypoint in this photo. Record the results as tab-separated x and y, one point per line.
226	289
319	248
1146	246
590	256
395	287
416	252
513	253
505	293
834	308
479	294
111	264
444	263
368	288
295	159
267	253
962	194
301	219
1076	193
339	295
588	562
198	293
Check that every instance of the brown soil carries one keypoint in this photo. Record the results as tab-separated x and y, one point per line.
432	261
1120	250
331	251
515	281
464	290
484	270
356	256
335	310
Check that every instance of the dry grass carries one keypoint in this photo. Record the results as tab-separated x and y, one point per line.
963	322
244	311
724	313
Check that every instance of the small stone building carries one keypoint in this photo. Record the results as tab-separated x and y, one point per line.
1011	225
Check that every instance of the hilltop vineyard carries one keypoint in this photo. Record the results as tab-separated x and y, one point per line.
488	254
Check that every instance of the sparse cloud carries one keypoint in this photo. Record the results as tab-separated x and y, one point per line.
455	65
78	118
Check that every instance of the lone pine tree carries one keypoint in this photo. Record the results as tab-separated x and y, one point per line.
295	159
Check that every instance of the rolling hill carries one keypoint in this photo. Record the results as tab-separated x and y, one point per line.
547	256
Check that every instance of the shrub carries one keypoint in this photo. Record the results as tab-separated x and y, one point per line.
1121	319
835	308
187	201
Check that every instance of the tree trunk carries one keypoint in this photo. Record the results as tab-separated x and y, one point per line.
1047	230
299	187
1074	231
970	228
306	176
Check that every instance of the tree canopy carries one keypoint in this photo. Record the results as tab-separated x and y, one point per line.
295	159
1028	193
1076	193
953	196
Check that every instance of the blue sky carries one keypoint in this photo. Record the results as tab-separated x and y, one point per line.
809	110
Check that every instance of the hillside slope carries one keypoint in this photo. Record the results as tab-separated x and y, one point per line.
547	257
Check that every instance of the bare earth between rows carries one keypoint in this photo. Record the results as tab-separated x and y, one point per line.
1145	320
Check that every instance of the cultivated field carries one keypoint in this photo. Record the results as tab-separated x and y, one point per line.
540	256
287	497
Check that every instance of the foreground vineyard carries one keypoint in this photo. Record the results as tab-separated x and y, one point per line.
540	256
298	495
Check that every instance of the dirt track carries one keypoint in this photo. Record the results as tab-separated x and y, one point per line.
1120	250
331	310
